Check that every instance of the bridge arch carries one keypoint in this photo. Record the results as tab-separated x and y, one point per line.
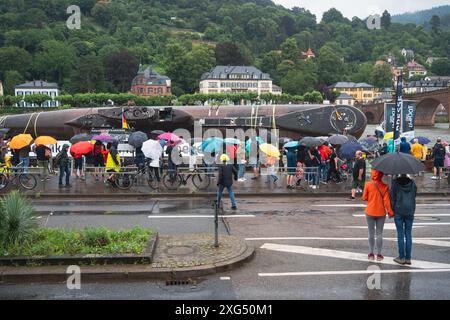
370	116
426	111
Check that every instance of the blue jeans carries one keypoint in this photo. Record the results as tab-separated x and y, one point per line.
230	192
64	170
323	170
241	171
25	163
404	235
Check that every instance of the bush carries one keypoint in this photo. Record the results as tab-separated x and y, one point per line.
17	220
57	242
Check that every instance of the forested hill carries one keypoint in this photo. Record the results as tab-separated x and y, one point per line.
185	38
424	16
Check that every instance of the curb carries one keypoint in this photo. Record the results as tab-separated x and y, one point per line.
129	272
103	196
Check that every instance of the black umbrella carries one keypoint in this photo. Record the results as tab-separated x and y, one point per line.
136	139
338	139
80	137
348	150
398	163
310	142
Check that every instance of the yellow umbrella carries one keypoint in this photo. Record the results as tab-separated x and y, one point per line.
388	136
270	150
20	141
45	140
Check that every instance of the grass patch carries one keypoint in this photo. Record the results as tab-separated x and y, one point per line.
102	241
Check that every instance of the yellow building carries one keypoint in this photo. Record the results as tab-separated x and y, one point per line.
363	93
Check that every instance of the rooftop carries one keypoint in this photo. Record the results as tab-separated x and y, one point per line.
345	96
351	85
239	72
37	84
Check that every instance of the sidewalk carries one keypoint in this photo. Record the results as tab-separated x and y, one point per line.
175	258
250	188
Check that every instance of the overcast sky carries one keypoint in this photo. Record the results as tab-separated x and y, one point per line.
362	8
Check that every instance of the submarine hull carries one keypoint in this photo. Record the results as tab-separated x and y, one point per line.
292	121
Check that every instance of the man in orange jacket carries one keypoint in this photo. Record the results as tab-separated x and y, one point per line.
376	193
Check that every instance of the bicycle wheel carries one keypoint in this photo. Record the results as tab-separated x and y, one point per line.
124	181
172	182
201	181
3	181
27	181
152	181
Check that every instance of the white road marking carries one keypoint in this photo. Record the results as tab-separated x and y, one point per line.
436	243
425	205
349	272
348	255
199	216
334	239
416	215
387	226
225	278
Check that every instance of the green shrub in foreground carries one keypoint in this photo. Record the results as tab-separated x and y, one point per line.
17	220
54	242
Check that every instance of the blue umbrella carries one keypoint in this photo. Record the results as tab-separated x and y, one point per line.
212	145
232	141
292	144
422	140
162	142
348	150
249	143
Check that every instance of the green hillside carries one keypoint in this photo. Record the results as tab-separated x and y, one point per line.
184	38
424	16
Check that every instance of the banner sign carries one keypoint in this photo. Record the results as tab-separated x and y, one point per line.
407	116
398	110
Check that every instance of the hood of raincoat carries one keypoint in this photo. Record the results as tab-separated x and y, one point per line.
377	176
404	183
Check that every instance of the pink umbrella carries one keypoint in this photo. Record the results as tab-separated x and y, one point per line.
168	136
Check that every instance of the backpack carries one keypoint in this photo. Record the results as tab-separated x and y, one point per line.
57	159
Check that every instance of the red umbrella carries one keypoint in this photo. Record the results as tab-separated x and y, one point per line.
82	148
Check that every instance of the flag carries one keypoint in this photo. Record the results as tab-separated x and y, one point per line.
124	121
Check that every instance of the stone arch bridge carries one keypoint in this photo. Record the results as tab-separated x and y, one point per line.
427	104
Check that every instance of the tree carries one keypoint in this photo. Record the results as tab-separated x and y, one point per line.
330	66
12	79
177	66
435	23
88	75
364	73
228	53
386	19
333	15
289	50
54	61
382	76
289	25
441	67
297	83
200	60
120	70
14	58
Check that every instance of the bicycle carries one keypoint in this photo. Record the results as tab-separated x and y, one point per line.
11	174
200	180
124	179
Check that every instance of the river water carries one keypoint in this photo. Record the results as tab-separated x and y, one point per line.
440	130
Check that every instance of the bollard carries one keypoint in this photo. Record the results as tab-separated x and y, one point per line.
216	223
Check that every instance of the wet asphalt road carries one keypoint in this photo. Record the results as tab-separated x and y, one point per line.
306	249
